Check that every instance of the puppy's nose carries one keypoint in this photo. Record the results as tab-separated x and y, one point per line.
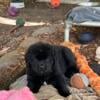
41	66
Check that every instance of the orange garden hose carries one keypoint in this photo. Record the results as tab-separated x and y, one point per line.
83	66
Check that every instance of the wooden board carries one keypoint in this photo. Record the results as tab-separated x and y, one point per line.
9	21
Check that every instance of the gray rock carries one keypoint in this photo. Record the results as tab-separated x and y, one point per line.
19	83
47	29
12	64
56	97
81	97
82	94
11	67
73	97
44	30
24	45
48	92
27	42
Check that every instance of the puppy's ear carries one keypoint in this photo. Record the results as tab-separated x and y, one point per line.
68	56
30	58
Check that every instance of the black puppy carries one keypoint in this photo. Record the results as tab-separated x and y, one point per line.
50	63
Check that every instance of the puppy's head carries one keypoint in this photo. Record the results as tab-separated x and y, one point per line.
43	59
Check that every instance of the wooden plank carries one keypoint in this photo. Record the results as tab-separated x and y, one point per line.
9	21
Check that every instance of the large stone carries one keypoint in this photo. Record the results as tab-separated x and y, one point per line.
44	92
19	83
11	67
44	30
82	97
12	64
47	29
26	43
48	92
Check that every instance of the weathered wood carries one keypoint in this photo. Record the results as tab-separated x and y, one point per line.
9	21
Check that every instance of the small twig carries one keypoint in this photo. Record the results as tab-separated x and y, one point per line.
13	29
4	50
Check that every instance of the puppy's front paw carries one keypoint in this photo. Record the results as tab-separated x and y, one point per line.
62	85
65	91
34	88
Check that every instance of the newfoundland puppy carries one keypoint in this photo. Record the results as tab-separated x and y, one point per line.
51	64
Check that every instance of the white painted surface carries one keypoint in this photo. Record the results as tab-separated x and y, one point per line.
17	5
9	21
66	1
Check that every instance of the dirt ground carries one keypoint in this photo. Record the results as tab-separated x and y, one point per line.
36	13
42	12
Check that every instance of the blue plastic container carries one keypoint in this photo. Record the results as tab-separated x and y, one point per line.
85	37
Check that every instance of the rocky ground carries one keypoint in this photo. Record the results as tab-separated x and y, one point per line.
14	45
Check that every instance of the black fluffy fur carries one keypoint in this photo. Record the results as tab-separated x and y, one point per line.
50	63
